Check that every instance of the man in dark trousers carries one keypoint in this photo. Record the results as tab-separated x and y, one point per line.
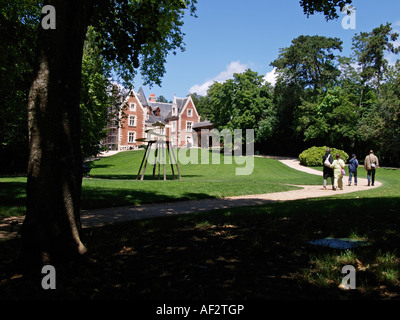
327	160
371	163
353	165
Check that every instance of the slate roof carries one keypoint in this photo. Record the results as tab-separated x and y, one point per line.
142	97
165	108
202	124
180	103
154	119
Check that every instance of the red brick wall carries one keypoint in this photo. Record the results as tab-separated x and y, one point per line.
195	118
138	128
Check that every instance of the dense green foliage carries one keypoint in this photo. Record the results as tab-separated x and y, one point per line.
97	97
320	98
313	156
18	22
309	62
140	35
244	102
328	8
114	45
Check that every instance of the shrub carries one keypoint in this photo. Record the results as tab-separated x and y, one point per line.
313	156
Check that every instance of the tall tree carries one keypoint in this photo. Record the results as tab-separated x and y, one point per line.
244	102
132	34
380	124
370	49
309	62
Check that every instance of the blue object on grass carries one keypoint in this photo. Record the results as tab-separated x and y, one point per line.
339	243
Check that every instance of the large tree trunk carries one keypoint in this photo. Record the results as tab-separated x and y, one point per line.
50	232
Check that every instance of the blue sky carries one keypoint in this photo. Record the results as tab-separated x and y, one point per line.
230	36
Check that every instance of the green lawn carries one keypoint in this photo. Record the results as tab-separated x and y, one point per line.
112	182
258	253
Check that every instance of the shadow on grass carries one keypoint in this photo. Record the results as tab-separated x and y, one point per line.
256	253
93	198
134	176
12	193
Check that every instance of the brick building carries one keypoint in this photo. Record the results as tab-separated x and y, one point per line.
139	114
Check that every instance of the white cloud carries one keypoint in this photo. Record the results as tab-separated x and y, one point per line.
233	67
271	77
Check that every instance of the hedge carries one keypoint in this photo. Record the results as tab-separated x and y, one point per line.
312	157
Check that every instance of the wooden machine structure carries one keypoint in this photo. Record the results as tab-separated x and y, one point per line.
162	147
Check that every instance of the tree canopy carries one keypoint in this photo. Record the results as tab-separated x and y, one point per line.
320	98
309	62
244	102
140	34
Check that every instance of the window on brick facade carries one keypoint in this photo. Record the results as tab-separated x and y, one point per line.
132	106
173	126
132	121
131	137
189	112
189	126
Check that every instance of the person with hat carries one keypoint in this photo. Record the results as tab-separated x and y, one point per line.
353	165
371	163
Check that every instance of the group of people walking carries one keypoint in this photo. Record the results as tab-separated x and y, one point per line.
335	169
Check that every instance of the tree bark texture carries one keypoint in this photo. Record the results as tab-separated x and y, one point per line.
50	232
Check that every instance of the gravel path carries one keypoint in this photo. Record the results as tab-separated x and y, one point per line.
9	227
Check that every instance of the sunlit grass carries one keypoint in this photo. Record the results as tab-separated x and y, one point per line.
113	182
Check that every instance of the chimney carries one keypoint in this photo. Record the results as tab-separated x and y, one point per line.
153	98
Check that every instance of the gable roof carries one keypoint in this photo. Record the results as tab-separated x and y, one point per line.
142	97
165	108
132	94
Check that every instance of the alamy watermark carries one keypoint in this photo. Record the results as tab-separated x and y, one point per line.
49	20
349	281
349	20
49	280
232	150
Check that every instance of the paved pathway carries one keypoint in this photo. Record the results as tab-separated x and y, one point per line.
104	216
99	217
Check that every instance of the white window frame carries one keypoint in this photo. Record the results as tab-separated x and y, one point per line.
191	126
132	106
130	121
131	136
173	126
190	114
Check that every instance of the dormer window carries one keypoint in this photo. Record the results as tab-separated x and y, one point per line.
174	111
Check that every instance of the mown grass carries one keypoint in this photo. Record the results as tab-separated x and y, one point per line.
112	182
258	253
